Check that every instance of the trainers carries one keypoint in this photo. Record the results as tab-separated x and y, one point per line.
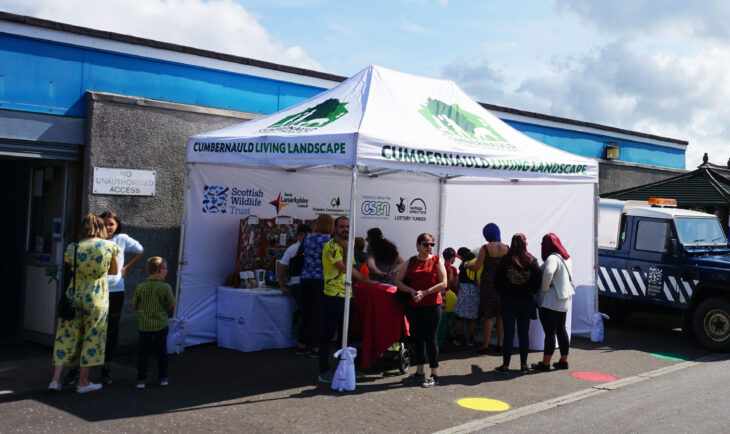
470	341
326	377
164	382
91	387
457	343
140	385
301	351
501	369
314	354
431	381
524	369
560	365
55	386
414	378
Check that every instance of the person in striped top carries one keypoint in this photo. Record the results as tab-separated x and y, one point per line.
152	300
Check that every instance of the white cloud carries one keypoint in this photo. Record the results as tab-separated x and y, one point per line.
412	27
665	70
217	25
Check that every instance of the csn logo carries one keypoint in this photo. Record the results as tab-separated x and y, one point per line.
215	199
375	208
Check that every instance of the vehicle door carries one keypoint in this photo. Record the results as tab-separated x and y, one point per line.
613	270
652	267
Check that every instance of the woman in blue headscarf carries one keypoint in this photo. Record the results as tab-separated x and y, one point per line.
490	255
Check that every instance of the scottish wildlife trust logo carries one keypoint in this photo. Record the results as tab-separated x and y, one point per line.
215	199
310	118
453	121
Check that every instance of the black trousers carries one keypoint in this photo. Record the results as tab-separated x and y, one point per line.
116	302
333	321
150	342
424	324
311	326
519	312
553	324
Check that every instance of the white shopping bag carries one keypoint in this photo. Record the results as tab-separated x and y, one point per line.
597	332
344	378
176	335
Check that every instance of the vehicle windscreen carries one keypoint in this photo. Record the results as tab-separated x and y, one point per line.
700	231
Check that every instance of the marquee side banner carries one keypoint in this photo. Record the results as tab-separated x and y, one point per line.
220	196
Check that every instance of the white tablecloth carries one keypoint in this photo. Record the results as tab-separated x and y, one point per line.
253	320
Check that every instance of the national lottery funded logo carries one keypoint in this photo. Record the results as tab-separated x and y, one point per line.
221	199
415	210
310	118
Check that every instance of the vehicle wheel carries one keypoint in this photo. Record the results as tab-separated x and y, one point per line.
711	323
404	360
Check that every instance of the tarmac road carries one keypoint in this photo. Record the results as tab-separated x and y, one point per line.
214	389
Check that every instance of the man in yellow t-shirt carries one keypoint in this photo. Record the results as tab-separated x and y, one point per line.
333	265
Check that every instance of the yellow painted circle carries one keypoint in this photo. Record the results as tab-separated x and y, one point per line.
483	404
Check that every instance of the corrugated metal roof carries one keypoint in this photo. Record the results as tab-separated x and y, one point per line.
702	187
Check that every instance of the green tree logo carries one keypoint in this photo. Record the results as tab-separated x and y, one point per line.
454	121
311	118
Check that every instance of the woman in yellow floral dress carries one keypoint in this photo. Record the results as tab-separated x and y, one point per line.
81	341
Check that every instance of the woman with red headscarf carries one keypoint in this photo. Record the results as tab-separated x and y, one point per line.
517	279
554	301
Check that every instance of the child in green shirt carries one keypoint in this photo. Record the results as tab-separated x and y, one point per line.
152	300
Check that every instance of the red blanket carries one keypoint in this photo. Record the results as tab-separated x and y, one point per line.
378	318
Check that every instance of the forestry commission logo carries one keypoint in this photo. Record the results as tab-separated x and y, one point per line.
310	119
215	199
455	122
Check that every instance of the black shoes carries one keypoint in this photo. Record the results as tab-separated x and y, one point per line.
560	365
541	367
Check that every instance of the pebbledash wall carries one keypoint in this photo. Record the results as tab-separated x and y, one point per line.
100	99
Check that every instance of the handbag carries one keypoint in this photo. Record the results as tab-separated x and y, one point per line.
66	309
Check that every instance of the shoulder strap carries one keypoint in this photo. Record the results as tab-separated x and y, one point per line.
564	265
73	276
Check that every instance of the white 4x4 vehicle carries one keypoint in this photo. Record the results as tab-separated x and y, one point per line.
669	257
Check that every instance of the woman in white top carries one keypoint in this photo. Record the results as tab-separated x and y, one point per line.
554	301
127	244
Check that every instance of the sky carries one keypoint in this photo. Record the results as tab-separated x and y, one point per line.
655	66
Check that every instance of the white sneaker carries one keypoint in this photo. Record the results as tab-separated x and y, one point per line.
91	387
164	382
140	385
55	386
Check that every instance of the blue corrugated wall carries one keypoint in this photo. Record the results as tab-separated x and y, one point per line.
593	145
48	77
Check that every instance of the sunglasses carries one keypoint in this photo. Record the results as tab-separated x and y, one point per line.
428	244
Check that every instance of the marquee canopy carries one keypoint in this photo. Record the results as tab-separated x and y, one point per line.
387	119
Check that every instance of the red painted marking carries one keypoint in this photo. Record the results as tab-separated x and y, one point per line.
594	376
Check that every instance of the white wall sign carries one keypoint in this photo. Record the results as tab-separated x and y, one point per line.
124	182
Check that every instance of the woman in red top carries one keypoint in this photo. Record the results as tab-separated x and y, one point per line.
423	277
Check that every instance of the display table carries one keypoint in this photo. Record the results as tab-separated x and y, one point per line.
378	318
253	320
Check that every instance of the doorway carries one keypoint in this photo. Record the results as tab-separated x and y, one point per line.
34	230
